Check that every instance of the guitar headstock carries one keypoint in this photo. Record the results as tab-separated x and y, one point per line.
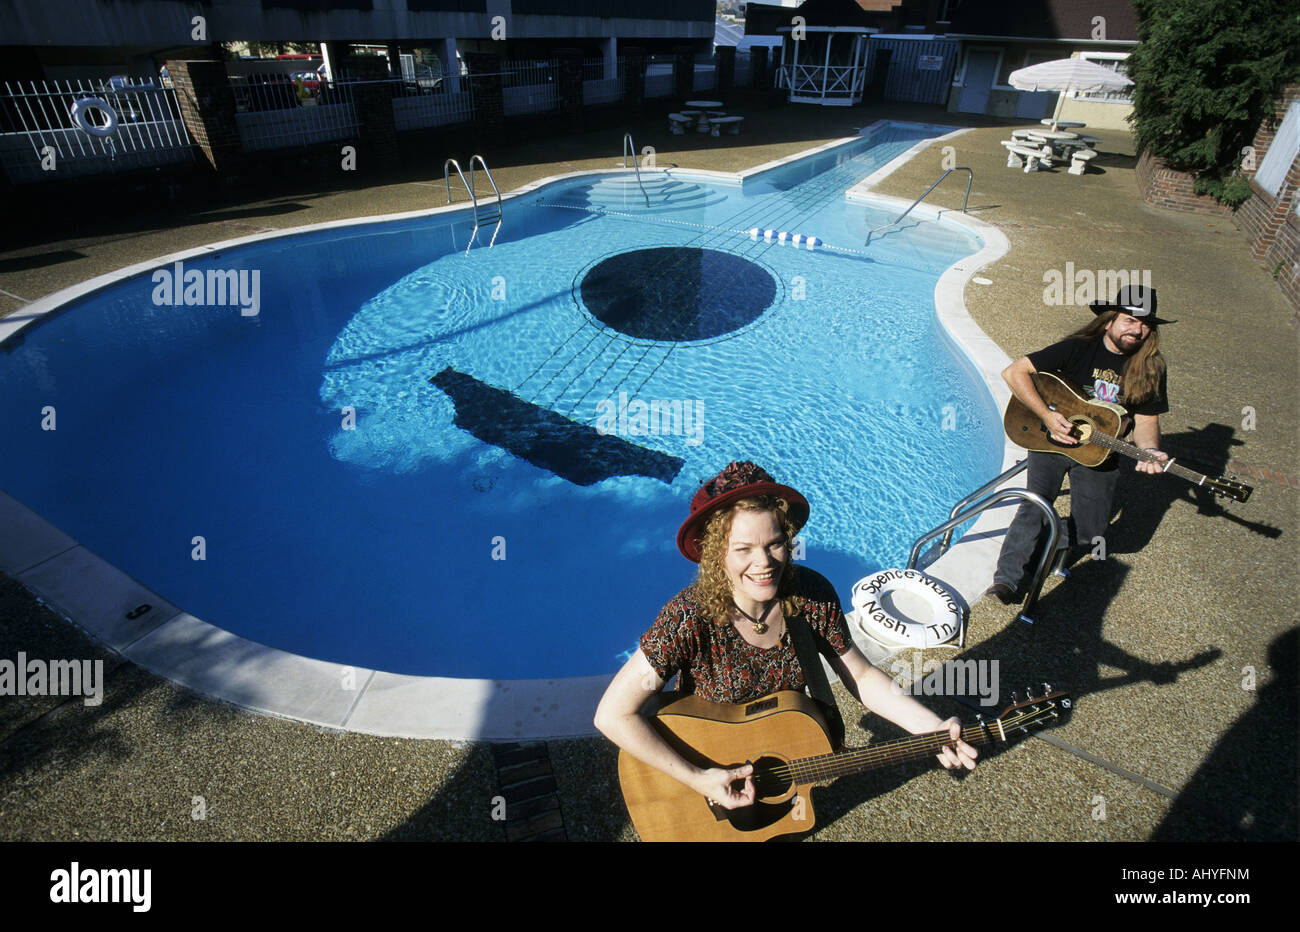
1229	488
1051	707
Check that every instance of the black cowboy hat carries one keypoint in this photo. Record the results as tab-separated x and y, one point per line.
1136	300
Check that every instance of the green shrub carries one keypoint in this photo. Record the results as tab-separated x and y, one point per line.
1205	75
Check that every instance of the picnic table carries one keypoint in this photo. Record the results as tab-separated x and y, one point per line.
1046	135
1071	124
1037	148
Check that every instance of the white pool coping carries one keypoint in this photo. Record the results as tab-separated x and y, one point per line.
97	597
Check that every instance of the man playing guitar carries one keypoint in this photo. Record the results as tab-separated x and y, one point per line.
1116	359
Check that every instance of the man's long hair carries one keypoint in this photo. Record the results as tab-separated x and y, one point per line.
1142	370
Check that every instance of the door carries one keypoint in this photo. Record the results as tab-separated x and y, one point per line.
981	69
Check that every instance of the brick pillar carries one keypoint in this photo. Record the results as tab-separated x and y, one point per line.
567	65
634	81
372	98
758	67
683	72
484	82
725	61
207	106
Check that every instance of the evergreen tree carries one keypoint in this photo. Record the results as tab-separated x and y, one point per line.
1205	75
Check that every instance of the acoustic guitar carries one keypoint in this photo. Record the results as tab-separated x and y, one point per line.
1096	427
785	738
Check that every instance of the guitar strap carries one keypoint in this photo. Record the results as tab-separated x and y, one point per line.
814	675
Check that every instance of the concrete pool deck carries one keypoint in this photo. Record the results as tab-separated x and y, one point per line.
1233	580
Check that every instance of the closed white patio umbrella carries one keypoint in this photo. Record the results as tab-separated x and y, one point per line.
1065	75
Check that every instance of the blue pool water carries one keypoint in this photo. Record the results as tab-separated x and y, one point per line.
395	539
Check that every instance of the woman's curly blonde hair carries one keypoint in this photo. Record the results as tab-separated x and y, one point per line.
714	588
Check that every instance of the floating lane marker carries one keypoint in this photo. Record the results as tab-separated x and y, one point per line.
782	237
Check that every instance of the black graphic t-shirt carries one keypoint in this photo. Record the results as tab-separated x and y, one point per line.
1097	371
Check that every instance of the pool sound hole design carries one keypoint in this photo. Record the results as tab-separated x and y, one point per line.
677	293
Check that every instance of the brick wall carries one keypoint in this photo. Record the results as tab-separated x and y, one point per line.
725	57
485	83
207	106
372	97
758	67
634	80
1270	221
683	71
567	64
1161	186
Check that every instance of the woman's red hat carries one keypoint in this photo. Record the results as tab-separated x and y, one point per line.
739	480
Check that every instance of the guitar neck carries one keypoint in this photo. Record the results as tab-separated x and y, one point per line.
886	753
1137	453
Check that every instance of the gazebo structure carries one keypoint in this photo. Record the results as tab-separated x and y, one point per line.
824	64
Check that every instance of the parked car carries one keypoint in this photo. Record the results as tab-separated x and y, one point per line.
309	80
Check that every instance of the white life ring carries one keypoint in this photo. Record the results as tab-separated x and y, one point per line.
81	117
880	620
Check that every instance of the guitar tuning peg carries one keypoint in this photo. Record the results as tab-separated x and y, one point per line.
1047	688
1014	698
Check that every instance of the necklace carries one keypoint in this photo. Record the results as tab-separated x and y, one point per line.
759	624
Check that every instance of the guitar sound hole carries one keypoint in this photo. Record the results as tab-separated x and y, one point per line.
771	777
677	293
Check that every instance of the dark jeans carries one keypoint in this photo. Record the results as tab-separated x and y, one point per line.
1092	493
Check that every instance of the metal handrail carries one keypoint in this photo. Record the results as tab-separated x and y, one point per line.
978	493
469	188
500	210
446	177
964	200
629	144
1054	531
478	158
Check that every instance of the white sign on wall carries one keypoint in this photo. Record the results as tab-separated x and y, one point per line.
1281	153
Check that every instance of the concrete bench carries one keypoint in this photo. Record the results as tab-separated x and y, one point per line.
1032	159
1079	160
677	123
732	123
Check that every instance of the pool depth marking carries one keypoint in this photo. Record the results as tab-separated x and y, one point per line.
551	441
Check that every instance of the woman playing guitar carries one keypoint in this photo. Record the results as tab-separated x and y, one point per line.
729	635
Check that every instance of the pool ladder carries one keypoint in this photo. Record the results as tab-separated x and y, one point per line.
630	146
490	213
981	500
959	168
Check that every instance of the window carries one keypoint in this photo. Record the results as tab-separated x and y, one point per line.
1112	61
